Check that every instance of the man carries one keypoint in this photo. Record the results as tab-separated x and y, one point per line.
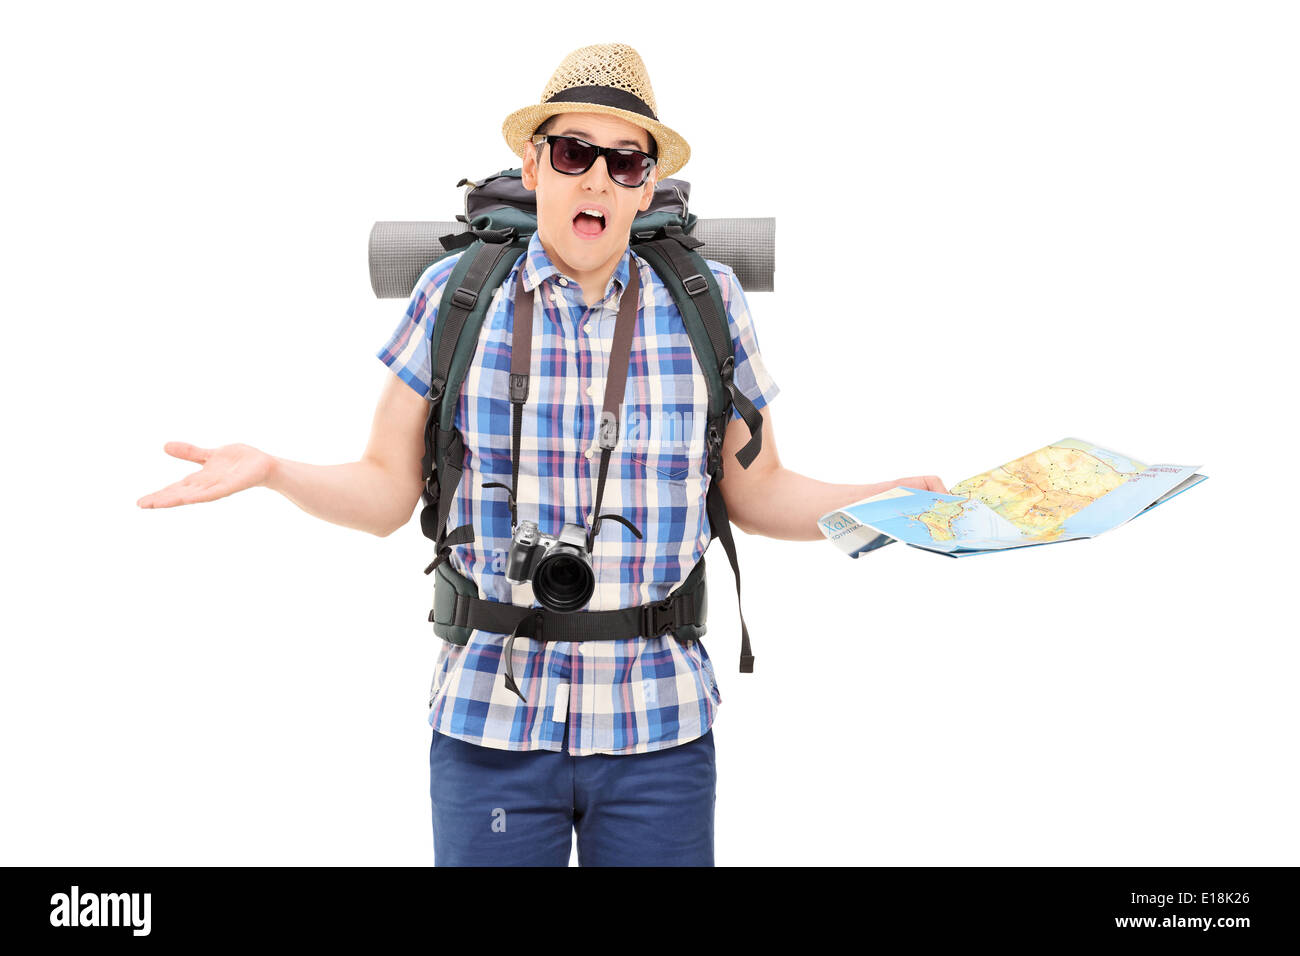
612	738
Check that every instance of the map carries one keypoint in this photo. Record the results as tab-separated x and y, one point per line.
1064	491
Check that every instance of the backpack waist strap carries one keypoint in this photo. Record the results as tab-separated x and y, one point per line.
457	610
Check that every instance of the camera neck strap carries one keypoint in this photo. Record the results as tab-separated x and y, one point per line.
521	357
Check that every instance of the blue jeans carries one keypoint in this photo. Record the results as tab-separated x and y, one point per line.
520	807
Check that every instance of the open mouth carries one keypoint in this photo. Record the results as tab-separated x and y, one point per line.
588	223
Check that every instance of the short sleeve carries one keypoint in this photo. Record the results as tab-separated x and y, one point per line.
751	376
407	350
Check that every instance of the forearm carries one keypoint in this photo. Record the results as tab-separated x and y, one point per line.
360	494
791	503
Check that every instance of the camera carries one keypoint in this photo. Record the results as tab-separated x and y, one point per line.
559	566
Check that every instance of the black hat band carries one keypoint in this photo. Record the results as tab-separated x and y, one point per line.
605	96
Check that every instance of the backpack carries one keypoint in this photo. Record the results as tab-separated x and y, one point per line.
501	216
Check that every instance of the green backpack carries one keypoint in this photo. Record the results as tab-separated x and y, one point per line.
501	216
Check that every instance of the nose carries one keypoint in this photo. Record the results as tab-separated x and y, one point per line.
596	175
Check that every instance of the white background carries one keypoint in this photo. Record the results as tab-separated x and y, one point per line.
999	225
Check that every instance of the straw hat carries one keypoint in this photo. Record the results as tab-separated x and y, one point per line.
605	78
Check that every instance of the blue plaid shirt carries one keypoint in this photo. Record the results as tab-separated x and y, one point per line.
616	696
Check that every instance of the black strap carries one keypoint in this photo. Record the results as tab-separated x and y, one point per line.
521	363
521	352
456	240
530	625
697	287
454	309
674	248
541	624
615	389
462	535
456	306
459	240
444	450
452	457
721	526
749	451
652	619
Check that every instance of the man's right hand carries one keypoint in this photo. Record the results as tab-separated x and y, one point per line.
225	470
375	494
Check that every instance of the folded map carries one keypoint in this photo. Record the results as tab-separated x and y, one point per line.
1065	491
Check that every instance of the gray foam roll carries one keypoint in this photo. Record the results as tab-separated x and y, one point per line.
401	251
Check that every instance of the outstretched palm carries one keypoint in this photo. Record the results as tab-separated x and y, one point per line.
225	470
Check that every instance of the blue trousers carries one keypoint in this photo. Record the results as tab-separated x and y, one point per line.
520	807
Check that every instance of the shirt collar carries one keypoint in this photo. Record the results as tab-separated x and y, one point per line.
539	267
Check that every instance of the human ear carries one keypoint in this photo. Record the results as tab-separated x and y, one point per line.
528	172
648	191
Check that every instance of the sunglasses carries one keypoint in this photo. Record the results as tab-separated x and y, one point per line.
573	157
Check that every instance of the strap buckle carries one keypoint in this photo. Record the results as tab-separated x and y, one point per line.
464	298
695	284
715	451
652	625
607	437
518	388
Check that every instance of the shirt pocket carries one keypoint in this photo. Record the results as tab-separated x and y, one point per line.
650	485
666	437
661	459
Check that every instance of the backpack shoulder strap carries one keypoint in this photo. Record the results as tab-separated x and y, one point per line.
695	291
671	253
466	298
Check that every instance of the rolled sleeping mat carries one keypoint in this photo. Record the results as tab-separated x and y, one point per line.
401	251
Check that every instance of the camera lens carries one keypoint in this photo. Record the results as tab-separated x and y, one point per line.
563	580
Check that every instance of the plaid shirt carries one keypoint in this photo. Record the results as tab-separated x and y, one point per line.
617	696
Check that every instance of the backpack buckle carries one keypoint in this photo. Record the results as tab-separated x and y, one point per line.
652	625
714	442
695	284
464	298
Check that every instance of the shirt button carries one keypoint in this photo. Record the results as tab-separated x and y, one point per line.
588	517
587	328
563	281
591	389
590	451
